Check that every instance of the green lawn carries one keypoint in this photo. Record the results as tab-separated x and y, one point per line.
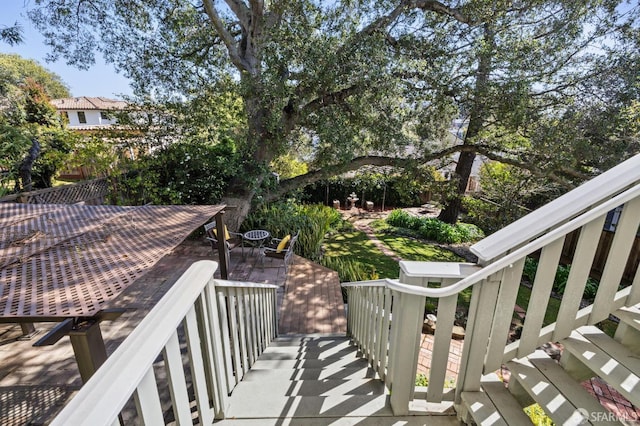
352	244
355	245
412	249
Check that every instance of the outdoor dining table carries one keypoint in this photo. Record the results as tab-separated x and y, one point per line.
66	263
256	238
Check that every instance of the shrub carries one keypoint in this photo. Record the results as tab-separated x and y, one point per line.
282	218
434	229
560	279
350	270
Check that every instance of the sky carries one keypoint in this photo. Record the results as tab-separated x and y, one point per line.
99	80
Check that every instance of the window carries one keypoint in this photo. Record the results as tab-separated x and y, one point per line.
82	118
104	115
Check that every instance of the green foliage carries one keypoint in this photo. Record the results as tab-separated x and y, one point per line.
182	173
422	379
15	70
560	279
434	229
312	220
98	155
287	166
538	416
31	121
508	193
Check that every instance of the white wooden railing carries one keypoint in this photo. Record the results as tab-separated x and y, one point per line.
217	328
386	316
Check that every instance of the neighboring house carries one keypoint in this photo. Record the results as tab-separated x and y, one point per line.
88	113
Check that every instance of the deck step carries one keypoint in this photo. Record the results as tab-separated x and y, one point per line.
330	372
563	399
628	331
608	359
494	405
630	316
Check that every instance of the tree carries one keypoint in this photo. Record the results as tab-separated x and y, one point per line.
14	70
33	143
333	77
11	35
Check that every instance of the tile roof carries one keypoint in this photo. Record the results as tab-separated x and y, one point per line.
88	103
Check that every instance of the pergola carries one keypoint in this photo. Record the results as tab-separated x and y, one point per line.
65	263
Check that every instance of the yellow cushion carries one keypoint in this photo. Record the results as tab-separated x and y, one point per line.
226	233
283	244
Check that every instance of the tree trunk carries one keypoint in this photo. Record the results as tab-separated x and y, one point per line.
454	204
27	165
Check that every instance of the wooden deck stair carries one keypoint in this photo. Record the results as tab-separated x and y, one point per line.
315	380
588	352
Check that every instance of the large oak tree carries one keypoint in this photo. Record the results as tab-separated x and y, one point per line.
348	82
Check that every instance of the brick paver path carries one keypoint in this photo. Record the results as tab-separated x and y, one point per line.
312	300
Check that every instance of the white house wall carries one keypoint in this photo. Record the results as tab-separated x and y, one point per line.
93	119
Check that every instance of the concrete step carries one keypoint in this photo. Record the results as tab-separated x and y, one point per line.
606	358
563	399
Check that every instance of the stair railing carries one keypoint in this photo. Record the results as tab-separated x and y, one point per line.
203	334
386	316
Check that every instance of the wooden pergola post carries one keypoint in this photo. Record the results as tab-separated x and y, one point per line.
222	246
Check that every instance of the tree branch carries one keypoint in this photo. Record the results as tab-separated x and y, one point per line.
328	99
380	161
225	35
436	6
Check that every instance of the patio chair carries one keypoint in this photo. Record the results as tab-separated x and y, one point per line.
280	248
231	240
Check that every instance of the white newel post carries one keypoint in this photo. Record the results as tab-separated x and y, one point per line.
403	352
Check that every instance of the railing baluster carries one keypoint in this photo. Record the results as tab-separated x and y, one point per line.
197	367
502	315
238	363
369	316
148	400
581	266
242	325
485	293
540	293
377	323
177	382
406	328
616	260
384	337
226	340
441	344
216	351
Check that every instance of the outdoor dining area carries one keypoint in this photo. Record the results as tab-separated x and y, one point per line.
71	275
267	246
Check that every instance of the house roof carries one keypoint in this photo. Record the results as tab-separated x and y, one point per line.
88	103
